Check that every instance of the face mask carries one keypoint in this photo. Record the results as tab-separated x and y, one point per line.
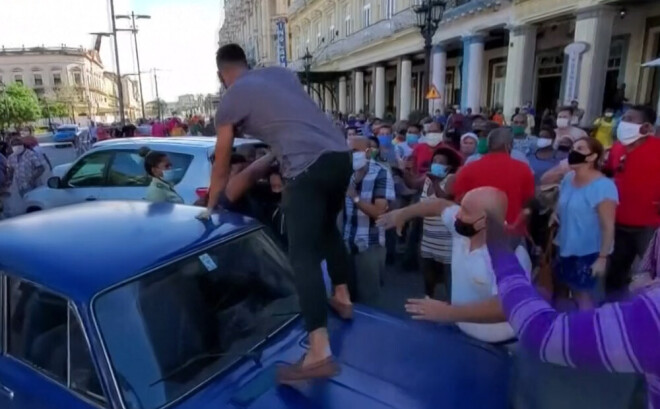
608	115
276	197
373	154
482	146
412	139
439	170
627	132
576	158
359	160
543	142
433	138
168	175
518	130
562	122
385	140
465	229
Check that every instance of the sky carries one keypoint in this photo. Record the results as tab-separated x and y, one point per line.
180	39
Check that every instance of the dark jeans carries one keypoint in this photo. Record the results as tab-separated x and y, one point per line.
436	273
629	242
311	202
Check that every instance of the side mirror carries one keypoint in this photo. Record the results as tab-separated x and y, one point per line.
55	182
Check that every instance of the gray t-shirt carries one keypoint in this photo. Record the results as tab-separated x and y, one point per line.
270	104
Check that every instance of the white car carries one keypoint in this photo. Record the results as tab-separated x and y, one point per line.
113	170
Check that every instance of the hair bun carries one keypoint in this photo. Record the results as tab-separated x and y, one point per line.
144	151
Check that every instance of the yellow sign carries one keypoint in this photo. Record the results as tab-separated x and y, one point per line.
433	93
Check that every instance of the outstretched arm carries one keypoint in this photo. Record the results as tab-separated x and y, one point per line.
618	337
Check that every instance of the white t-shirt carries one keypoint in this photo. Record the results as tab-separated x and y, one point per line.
473	280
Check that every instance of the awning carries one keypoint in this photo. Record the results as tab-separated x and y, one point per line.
654	63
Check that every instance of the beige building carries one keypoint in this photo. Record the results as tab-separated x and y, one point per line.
253	25
487	53
74	75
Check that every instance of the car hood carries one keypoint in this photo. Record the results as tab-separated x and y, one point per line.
386	363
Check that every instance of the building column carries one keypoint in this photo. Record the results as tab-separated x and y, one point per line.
405	93
342	95
329	103
316	95
473	60
358	88
438	76
379	91
594	27
519	68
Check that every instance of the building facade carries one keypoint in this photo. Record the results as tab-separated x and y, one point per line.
486	53
74	76
253	24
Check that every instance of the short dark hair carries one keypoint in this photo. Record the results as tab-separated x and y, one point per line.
230	54
386	126
151	159
566	108
237	158
647	112
419	128
375	140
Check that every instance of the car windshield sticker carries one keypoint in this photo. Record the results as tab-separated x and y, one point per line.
208	262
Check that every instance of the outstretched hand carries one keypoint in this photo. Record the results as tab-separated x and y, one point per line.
204	215
394	219
501	243
428	309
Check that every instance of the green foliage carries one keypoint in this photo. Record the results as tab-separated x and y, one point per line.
18	105
52	108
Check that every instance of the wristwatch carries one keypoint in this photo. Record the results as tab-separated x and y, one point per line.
356	199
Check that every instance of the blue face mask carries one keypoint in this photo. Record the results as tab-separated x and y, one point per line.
385	141
412	139
439	170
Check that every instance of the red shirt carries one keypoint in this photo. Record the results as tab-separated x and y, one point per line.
500	171
637	177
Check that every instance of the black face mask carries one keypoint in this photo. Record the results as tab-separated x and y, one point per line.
575	158
276	197
563	148
465	229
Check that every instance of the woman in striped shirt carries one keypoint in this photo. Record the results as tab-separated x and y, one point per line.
436	238
617	337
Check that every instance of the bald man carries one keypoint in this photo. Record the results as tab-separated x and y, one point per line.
474	307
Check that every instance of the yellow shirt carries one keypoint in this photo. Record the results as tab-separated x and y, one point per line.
604	131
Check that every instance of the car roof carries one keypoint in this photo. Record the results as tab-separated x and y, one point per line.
192	141
80	250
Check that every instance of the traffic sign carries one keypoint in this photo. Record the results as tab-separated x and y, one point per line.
433	93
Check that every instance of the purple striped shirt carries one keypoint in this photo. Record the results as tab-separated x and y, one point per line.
617	337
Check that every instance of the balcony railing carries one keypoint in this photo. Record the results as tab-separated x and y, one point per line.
457	8
401	21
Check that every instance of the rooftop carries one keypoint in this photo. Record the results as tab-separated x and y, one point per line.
80	250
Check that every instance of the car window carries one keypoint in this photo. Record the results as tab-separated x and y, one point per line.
44	333
127	169
213	308
89	171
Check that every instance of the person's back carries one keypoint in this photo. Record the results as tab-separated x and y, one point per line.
291	116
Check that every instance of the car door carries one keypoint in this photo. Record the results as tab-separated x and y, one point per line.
45	362
84	180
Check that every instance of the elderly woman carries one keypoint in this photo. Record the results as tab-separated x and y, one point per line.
25	170
469	143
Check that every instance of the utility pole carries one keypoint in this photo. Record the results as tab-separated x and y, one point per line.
134	30
120	90
160	112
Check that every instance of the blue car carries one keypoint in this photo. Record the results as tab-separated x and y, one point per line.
66	133
132	305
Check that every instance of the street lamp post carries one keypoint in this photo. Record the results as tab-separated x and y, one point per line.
120	89
307	64
429	15
134	30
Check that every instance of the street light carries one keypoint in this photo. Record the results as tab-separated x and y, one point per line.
307	63
429	14
134	30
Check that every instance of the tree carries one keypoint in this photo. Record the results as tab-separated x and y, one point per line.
18	105
69	97
52	108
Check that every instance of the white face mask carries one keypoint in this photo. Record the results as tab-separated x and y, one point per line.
563	122
543	142
359	160
168	175
627	132
433	138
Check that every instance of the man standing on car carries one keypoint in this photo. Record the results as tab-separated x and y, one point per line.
271	105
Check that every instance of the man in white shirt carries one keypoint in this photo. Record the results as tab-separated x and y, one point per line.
475	306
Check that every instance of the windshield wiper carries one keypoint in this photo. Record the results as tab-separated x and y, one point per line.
255	355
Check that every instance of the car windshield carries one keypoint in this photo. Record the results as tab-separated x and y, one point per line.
67	128
173	329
